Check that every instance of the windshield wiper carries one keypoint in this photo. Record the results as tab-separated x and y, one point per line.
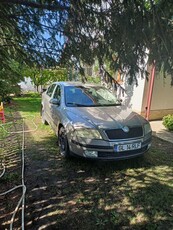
76	104
95	105
113	104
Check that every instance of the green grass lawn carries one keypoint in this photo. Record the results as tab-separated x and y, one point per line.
80	194
28	104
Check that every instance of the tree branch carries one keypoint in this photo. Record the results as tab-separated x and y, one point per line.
54	7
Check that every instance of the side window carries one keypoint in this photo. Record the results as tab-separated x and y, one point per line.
50	90
57	93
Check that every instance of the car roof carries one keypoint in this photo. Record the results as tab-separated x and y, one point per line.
75	83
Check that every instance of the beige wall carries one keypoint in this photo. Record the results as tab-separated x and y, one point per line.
162	98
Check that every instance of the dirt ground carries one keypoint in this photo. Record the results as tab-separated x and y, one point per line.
66	194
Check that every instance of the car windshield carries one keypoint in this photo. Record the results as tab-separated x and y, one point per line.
89	96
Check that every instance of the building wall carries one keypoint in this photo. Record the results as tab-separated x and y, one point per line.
133	96
137	96
162	97
135	93
27	85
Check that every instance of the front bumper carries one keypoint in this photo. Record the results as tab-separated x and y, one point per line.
105	149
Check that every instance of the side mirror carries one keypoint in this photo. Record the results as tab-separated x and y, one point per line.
54	101
43	90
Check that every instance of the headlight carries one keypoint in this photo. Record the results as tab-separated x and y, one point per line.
147	129
88	133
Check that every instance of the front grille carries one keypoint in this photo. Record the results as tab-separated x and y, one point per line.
120	134
121	154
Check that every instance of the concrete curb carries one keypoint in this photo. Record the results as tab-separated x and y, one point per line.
160	131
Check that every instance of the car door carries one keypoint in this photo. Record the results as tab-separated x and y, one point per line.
46	102
56	108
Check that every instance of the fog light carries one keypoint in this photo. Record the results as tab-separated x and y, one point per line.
90	153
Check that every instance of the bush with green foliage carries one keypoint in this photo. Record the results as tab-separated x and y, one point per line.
95	80
168	122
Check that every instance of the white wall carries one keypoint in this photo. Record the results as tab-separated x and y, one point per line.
137	97
134	94
27	85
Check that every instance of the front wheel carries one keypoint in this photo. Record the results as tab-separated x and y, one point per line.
63	143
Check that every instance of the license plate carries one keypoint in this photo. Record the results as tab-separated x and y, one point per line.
127	147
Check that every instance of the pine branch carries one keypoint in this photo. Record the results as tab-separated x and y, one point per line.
32	4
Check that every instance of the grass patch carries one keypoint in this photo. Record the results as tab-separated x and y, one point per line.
29	104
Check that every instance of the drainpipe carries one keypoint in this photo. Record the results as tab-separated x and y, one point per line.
150	91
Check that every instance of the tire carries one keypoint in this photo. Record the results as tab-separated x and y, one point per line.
63	143
42	117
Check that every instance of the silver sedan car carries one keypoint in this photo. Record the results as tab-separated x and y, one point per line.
90	122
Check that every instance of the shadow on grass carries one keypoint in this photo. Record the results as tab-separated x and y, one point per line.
80	194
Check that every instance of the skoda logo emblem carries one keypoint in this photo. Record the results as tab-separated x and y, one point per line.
125	129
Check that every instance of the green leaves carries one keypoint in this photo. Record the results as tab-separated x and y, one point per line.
9	77
135	31
42	77
168	122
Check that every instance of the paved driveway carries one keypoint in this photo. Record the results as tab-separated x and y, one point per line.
160	131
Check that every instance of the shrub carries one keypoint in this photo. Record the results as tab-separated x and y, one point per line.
168	122
92	79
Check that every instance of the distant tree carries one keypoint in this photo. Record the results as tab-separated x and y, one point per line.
42	77
56	74
35	74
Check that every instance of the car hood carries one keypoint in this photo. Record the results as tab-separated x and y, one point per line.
104	117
